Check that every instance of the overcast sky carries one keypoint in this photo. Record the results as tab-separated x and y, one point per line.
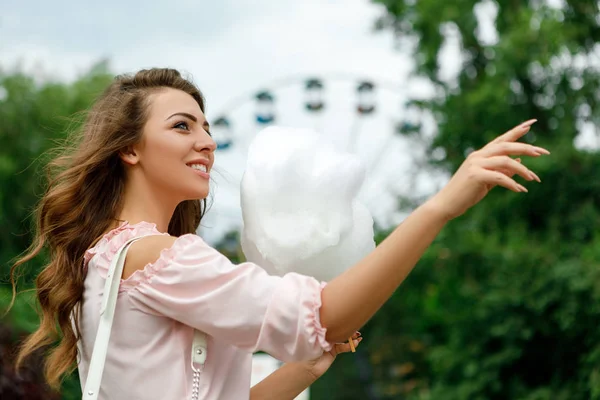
232	49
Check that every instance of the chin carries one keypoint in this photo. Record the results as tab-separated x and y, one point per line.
196	194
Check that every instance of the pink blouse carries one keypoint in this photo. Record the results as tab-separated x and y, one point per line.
241	308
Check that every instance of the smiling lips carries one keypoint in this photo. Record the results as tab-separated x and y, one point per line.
200	168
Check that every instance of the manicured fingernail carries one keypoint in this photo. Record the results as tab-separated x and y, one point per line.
541	150
527	124
534	176
522	188
358	333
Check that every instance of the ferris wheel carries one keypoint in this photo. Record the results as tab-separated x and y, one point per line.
368	117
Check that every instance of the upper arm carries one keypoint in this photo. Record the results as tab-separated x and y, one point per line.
145	251
192	283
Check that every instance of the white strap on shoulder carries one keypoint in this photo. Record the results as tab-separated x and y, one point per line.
107	313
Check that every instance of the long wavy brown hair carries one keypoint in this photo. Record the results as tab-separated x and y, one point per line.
82	202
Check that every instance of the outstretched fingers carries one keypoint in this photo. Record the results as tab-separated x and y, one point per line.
498	168
508	173
515	133
496	178
508	167
511	149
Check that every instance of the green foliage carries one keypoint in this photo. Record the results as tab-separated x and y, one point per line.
36	117
506	303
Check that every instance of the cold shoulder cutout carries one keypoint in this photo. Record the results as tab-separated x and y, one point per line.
191	286
145	252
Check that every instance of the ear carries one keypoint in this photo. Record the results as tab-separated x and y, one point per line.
129	155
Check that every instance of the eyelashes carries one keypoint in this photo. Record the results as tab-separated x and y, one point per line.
179	125
184	126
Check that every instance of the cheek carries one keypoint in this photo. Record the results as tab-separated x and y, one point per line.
170	146
165	156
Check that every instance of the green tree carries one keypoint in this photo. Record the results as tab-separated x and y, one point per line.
35	118
506	303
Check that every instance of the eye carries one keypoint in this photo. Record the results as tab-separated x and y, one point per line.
182	126
208	132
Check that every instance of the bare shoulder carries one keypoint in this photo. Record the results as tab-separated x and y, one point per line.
145	251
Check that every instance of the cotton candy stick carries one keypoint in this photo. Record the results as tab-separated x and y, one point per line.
352	344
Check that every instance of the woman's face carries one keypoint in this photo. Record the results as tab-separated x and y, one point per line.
176	153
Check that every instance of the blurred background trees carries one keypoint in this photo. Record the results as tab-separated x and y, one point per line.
506	303
34	119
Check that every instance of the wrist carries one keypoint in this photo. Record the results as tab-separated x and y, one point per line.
310	372
437	208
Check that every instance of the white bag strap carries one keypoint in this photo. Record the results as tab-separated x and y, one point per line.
107	313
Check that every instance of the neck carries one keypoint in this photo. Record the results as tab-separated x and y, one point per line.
141	202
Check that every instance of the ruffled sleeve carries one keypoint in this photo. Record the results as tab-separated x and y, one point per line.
239	304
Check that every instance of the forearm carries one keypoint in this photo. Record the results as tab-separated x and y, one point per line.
286	383
352	298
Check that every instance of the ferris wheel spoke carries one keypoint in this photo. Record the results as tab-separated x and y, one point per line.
234	133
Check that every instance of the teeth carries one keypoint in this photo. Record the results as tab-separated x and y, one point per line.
199	167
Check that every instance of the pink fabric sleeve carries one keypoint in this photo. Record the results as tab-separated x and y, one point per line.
239	304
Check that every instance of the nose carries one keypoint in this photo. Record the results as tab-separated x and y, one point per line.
205	142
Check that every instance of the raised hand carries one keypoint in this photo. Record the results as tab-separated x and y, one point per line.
488	167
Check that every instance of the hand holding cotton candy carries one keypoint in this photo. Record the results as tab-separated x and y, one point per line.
299	205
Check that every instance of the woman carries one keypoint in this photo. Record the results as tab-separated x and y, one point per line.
142	169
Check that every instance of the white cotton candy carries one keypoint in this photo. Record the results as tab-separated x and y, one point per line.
300	207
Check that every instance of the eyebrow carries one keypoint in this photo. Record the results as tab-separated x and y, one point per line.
189	116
